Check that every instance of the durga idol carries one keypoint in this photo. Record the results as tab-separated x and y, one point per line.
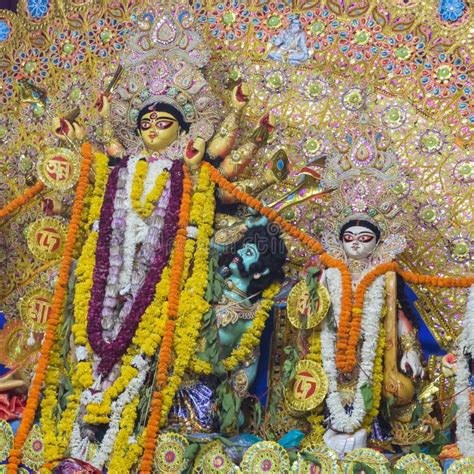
156	122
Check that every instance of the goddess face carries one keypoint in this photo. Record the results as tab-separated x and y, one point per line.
244	258
158	130
358	242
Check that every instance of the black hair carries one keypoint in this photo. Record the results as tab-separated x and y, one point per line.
404	302
163	107
361	223
273	252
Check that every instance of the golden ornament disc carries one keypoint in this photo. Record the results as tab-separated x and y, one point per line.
169	453
326	456
299	308
58	168
46	238
371	457
308	388
462	466
6	439
35	308
419	464
265	457
14	348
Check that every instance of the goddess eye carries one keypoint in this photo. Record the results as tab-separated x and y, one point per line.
145	125
348	237
164	124
366	238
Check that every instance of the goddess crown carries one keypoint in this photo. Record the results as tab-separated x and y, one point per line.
365	180
163	62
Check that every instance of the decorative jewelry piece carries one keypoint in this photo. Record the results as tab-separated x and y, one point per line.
169	453
264	457
33	449
213	460
308	388
35	308
6	439
409	342
299	308
58	168
419	463
46	237
326	456
162	62
462	466
372	458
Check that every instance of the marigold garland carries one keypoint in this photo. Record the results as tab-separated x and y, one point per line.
55	316
349	323
125	454
251	337
146	208
57	434
192	304
21	200
164	357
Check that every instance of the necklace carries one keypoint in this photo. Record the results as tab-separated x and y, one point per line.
144	209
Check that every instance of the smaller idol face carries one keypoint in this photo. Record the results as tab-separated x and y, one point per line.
358	242
243	259
158	130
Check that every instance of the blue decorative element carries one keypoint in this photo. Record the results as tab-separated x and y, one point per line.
3	320
38	8
5	31
428	342
451	10
292	439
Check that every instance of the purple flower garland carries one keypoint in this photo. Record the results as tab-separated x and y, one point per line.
111	352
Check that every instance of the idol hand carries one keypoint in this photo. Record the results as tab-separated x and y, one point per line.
240	95
194	152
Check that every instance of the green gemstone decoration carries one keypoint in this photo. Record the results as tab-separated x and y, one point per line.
275	80
68	48
39	110
372	212
428	215
403	53
105	36
312	146
354	98
234	75
75	94
318	27
274	21
430	142
399	188
461	249
29	67
362	37
315	88
443	73
466	169
393	115
229	18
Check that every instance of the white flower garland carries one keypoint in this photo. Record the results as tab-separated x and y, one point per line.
464	432
340	420
117	408
135	227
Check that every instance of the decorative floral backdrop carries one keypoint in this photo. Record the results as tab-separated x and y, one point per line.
400	68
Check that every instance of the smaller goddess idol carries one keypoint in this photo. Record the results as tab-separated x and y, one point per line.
364	229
